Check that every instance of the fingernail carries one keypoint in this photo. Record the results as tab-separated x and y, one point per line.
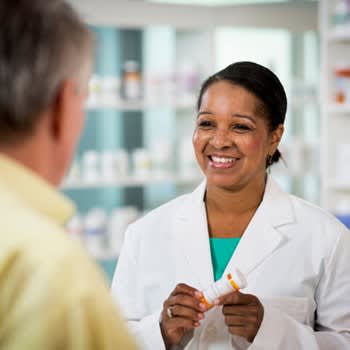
196	324
201	316
202	306
198	294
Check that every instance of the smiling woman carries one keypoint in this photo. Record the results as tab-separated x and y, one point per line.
232	140
237	218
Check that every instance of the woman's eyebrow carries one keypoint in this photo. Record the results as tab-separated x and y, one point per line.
204	112
245	116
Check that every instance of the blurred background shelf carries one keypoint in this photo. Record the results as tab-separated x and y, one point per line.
339	109
338	37
336	185
132	181
175	51
334	26
185	103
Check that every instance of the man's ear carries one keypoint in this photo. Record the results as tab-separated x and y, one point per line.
60	109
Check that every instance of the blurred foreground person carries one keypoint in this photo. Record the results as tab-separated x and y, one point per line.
51	296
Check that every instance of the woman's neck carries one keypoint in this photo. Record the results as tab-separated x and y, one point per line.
235	202
230	211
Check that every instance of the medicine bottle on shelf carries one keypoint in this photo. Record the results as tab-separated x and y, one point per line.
342	83
131	80
230	282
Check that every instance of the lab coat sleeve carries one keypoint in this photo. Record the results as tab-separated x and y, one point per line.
126	291
332	325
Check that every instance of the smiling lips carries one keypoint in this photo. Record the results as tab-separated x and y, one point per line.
222	162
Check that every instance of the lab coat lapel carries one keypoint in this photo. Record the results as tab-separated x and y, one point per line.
192	239
262	236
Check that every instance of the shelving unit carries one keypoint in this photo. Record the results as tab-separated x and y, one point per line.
159	36
337	37
335	117
339	187
187	103
336	109
132	181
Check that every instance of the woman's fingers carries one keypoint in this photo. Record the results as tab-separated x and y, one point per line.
236	298
188	301
243	314
183	288
186	312
182	311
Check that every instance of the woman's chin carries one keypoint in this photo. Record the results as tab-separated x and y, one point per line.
222	181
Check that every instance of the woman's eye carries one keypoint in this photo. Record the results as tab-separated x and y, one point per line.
241	127
205	124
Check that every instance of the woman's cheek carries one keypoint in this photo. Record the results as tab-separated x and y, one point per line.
252	145
200	140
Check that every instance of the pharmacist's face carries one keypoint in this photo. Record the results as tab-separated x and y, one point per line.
232	139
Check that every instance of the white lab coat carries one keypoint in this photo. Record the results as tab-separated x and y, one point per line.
296	258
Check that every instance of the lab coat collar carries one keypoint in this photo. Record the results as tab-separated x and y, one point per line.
260	239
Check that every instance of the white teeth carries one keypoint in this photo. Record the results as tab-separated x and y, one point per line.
222	159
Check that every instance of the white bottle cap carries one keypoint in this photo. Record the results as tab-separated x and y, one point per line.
239	278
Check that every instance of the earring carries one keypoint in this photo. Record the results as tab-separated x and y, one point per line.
269	161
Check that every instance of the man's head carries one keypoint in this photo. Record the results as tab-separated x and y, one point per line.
45	62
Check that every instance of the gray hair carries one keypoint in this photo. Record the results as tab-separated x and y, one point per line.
42	43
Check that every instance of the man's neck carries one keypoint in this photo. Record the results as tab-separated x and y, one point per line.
31	155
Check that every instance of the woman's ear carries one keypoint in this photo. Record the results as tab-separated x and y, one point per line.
276	136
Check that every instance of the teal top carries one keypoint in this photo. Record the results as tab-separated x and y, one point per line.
221	251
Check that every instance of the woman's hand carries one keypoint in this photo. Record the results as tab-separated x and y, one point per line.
182	312
243	314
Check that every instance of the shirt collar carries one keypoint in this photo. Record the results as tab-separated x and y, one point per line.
34	191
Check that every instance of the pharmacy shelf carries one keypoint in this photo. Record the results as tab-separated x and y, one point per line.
335	45
339	109
132	182
141	105
339	186
138	14
338	37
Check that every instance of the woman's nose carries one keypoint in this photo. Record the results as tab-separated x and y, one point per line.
220	139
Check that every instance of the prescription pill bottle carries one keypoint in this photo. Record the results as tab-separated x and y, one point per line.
131	80
230	282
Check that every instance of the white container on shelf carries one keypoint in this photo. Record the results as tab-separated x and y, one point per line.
121	158
94	97
161	156
114	165
90	166
187	161
110	91
108	172
342	163
142	163
95	226
118	222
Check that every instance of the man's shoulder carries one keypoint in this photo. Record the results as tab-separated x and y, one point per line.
34	239
21	223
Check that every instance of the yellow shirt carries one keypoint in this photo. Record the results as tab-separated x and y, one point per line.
51	295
